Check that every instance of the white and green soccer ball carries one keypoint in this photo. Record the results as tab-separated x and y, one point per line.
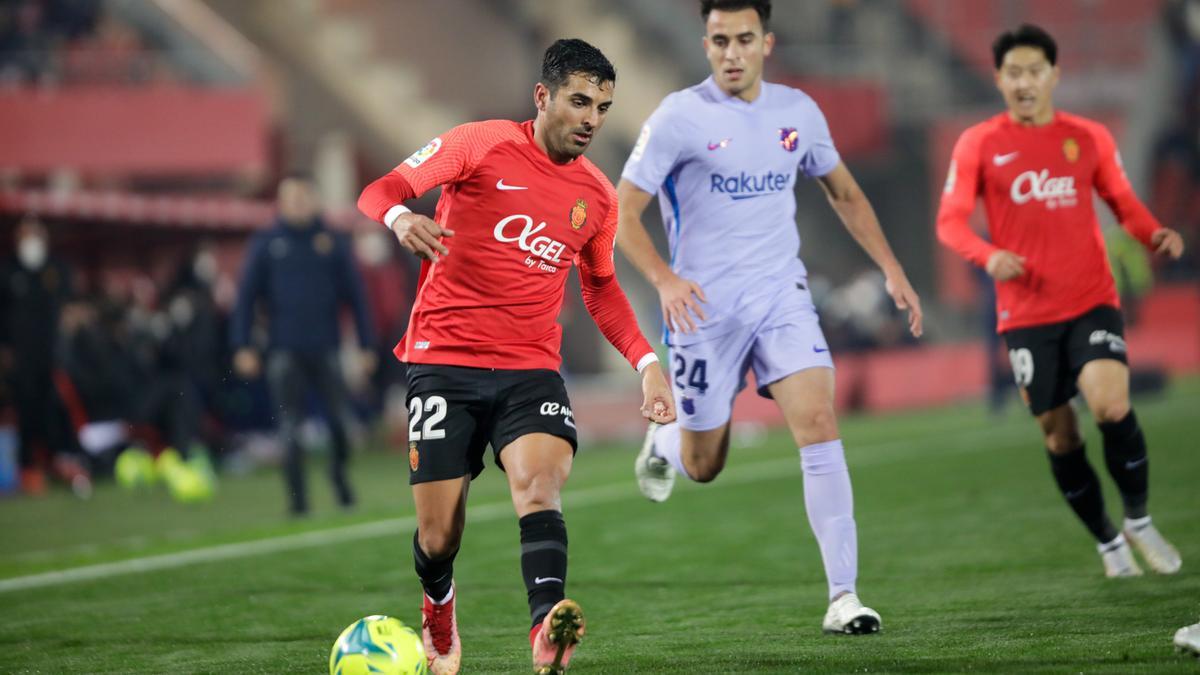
378	644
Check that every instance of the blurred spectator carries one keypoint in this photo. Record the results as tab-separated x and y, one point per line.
49	42
25	44
842	20
199	334
34	288
304	273
1176	171
97	359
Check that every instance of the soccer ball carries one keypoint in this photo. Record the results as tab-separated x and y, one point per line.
134	469
378	644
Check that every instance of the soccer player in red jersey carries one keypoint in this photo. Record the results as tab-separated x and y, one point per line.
1056	302
520	206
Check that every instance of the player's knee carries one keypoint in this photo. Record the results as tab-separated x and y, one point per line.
704	469
1061	443
539	491
816	426
439	543
1110	411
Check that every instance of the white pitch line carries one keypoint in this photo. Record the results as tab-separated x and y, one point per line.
746	473
961	442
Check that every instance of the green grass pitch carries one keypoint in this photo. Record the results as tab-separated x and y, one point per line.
965	547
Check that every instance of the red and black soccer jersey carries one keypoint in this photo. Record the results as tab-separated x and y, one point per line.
520	221
1036	183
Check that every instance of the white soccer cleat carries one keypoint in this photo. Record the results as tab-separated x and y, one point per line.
1159	554
1118	559
1187	639
655	477
847	616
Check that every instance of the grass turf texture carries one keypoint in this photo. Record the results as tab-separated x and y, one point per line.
966	549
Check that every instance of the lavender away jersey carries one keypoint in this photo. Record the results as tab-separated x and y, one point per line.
725	171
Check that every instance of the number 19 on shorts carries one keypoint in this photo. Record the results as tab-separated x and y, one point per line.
1022	366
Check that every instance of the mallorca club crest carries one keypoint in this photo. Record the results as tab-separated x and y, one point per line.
578	215
1071	150
414	458
789	138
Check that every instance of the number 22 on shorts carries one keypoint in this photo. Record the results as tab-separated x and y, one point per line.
429	431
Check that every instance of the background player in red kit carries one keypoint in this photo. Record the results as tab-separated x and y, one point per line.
519	206
1056	301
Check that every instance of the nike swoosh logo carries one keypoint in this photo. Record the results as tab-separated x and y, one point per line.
1074	494
501	186
719	144
818	350
1129	466
1001	160
546	580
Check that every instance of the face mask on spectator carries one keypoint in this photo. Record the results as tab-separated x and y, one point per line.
205	267
32	252
181	311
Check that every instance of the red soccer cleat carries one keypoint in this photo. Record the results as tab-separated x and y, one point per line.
439	630
555	638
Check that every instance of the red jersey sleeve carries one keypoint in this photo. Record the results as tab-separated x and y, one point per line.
1113	186
958	200
449	158
602	295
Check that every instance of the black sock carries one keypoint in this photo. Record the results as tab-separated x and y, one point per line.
1080	485
543	561
436	575
1128	463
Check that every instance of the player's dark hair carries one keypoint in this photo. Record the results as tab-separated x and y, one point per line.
763	7
565	58
1026	35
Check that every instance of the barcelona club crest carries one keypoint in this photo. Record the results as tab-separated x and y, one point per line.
789	138
578	214
1071	150
414	458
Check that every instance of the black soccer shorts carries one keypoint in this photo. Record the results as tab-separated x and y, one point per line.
455	412
1047	359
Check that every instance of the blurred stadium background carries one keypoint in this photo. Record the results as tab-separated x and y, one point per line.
148	137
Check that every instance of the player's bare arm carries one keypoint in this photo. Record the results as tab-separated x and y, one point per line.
421	236
680	298
658	405
855	210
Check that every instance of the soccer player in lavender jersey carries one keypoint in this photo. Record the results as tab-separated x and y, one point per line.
1056	303
724	157
521	204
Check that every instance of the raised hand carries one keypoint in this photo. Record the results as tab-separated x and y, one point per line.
421	236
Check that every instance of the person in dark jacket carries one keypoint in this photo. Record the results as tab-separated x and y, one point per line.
34	286
303	273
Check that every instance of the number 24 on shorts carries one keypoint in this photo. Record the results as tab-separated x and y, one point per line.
429	431
697	377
